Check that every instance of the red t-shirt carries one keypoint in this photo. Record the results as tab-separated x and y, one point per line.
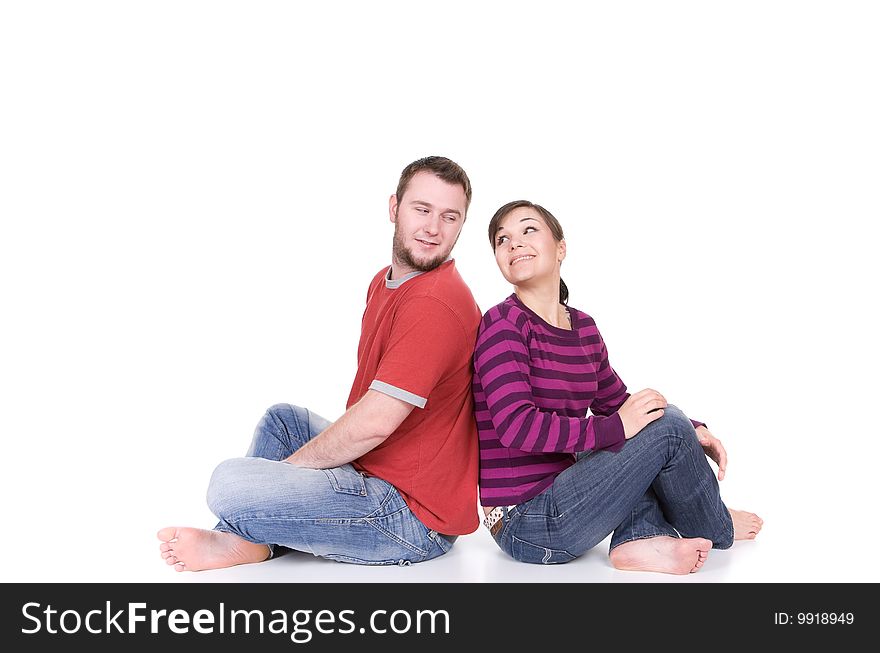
417	343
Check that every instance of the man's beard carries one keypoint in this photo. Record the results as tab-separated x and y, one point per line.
405	257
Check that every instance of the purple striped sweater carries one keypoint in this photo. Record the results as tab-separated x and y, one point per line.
533	384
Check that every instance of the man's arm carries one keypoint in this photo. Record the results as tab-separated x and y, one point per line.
362	428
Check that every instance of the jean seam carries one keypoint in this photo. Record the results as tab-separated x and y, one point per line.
644	537
548	551
387	499
338	557
308	420
395	538
346	522
340	520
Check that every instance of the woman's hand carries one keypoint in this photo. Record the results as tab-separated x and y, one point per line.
714	449
641	409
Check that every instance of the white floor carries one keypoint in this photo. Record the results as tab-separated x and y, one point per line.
121	547
473	559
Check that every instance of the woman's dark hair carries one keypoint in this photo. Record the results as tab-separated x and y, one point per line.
552	224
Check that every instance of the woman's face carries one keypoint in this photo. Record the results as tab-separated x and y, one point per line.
525	250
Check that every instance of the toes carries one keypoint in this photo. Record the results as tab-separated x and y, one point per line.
701	560
167	555
179	567
171	560
165	546
167	534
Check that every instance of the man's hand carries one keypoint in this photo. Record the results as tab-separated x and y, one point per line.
641	409
714	449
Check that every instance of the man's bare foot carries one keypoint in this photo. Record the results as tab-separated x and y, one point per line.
664	554
195	549
746	525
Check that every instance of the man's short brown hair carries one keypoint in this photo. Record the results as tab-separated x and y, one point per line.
448	170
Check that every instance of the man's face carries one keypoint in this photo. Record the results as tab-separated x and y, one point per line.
427	222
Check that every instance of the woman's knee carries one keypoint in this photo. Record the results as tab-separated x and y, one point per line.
674	422
672	429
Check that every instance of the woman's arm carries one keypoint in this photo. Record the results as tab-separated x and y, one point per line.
501	361
714	449
611	393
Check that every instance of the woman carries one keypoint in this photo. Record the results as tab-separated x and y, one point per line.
554	482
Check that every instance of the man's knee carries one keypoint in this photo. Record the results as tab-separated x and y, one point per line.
287	418
224	494
286	413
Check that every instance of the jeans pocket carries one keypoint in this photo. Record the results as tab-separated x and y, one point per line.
539	555
347	480
404	530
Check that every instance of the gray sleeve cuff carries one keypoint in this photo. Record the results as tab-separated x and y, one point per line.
397	393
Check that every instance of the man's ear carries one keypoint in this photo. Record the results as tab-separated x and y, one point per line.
392	207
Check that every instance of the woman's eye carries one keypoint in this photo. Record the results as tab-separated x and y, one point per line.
500	240
528	229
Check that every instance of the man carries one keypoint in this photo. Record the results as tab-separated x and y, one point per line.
392	481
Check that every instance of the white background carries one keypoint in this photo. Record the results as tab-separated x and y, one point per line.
194	198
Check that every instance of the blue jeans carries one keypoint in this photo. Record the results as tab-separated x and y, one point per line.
336	513
660	483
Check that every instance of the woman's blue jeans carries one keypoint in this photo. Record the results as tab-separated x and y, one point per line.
660	483
335	513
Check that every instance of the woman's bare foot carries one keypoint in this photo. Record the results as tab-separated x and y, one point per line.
195	549
746	525
664	554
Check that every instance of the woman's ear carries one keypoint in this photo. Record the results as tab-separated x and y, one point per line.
560	256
